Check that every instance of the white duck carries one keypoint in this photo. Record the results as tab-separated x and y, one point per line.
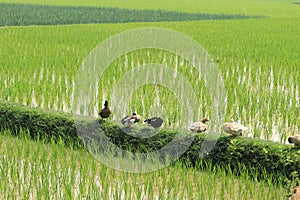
295	140
297	193
234	128
199	126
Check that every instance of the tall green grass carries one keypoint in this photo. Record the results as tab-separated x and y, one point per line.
35	170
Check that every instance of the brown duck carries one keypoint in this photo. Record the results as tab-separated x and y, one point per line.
105	112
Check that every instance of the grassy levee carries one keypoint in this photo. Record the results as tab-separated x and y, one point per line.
40	124
279	162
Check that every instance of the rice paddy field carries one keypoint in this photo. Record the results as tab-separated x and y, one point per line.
255	46
35	170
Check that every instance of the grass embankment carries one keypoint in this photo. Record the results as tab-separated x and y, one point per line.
263	159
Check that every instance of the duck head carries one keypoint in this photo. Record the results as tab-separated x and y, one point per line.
147	121
290	139
106	103
204	120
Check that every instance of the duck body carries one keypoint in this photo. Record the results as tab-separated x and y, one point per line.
155	122
234	128
294	140
105	112
199	126
297	193
131	119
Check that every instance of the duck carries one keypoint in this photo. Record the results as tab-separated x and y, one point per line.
199	126
297	193
105	112
131	119
155	122
295	140
234	128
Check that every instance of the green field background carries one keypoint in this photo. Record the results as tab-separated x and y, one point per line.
272	8
258	59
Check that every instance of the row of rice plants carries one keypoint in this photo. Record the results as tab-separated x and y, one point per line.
261	74
35	170
271	106
62	102
153	100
